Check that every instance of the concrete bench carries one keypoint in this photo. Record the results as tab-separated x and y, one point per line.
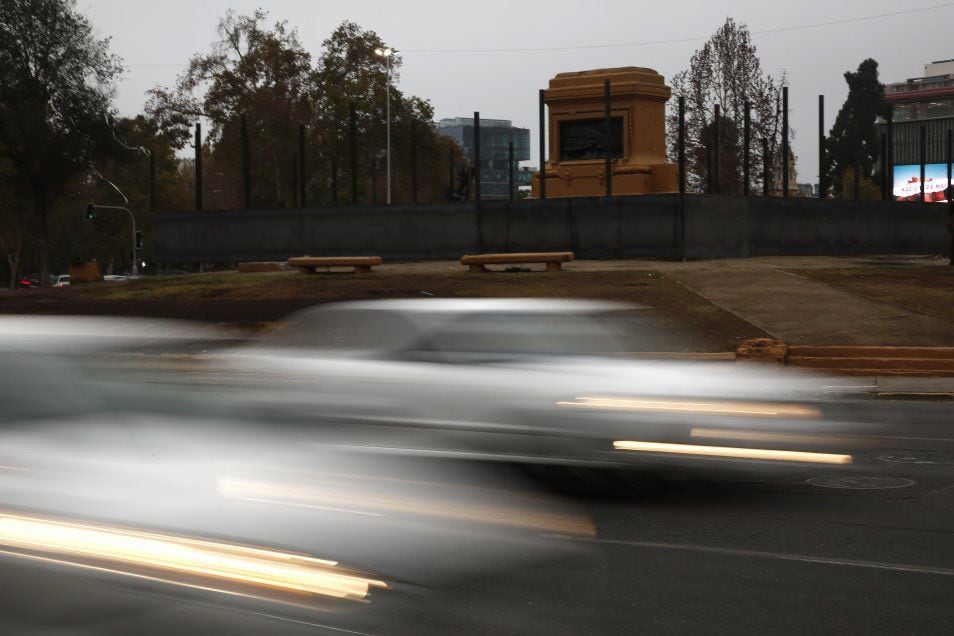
310	264
553	260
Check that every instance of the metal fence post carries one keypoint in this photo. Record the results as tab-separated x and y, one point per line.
746	152
857	181
450	170
922	144
785	149
293	202
885	185
681	149
717	151
681	145
198	166
353	115
510	170
950	195
822	181
413	161
246	163
891	150
543	146
152	182
374	180
477	156
302	181
334	182
607	137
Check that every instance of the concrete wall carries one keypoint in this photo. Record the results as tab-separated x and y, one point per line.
593	227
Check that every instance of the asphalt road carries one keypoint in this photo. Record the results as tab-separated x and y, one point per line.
791	554
794	553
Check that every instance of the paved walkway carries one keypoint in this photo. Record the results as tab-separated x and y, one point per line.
790	307
801	311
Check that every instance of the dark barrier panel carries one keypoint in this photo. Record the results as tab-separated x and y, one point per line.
716	227
593	227
798	226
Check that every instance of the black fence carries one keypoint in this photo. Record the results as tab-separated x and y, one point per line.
910	143
669	226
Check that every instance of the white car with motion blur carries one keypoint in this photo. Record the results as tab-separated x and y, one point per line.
530	380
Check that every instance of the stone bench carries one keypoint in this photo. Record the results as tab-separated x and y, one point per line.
553	260
310	264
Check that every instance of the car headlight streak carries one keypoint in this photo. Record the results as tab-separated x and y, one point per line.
714	407
733	452
178	559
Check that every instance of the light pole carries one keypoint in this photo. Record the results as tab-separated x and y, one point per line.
387	53
134	269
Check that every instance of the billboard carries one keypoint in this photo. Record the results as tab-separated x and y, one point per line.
907	183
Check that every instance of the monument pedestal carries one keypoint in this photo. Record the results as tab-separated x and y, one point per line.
578	141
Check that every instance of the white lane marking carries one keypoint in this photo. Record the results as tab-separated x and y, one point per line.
922	439
778	556
934	492
309	624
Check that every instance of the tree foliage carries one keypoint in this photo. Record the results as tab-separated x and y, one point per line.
727	72
61	144
265	74
123	179
863	187
855	142
56	85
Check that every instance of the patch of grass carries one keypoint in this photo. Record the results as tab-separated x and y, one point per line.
927	290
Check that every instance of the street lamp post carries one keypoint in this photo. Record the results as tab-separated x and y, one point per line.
387	53
134	269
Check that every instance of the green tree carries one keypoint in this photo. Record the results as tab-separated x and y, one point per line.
56	83
727	72
351	72
864	188
123	179
265	74
854	141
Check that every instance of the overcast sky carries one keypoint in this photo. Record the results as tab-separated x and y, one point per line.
477	68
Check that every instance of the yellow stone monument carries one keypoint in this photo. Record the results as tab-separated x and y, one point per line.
576	131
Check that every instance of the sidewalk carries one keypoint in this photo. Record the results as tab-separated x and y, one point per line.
803	312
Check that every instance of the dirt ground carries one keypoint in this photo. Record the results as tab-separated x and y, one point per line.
681	320
922	289
682	315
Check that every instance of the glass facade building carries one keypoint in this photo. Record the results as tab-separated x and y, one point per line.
495	138
927	101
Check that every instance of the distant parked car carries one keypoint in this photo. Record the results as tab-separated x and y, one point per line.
63	280
115	277
30	281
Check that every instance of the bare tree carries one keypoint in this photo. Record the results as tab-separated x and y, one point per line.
727	72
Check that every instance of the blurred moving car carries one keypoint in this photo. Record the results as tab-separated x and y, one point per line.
539	381
121	522
62	280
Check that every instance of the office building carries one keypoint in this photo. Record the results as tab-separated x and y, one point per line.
495	138
927	101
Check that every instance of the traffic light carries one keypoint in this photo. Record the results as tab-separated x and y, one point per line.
138	240
89	211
